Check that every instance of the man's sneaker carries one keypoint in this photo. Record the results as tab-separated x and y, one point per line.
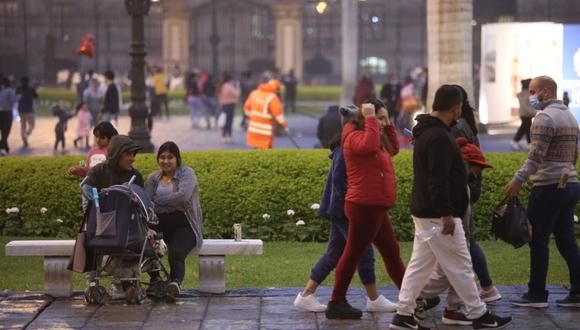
425	304
381	305
172	291
491	321
531	300
403	322
309	303
455	318
489	295
342	310
570	301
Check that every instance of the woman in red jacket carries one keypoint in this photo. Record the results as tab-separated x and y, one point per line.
368	145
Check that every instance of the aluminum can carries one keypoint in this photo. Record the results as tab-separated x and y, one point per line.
238	232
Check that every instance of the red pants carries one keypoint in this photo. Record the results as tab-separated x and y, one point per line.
367	224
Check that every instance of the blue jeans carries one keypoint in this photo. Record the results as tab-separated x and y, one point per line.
336	244
478	257
228	109
551	210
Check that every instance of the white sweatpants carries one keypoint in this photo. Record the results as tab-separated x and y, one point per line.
450	251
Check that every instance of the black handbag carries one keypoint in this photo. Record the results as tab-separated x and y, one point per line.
510	222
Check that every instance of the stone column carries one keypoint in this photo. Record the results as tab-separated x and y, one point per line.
449	42
349	46
289	37
175	34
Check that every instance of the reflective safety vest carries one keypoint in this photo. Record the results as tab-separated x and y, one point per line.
263	109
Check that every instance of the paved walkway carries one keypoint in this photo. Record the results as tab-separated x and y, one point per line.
245	309
178	129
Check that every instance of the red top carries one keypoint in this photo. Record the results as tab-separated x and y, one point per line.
369	169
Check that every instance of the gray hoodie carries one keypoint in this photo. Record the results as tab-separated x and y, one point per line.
554	147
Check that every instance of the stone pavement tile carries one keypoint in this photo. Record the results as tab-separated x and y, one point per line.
18	311
186	310
278	305
222	324
189	325
367	322
118	314
57	324
230	308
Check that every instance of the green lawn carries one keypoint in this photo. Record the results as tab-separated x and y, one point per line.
289	264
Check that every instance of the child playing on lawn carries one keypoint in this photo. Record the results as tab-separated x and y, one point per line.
61	125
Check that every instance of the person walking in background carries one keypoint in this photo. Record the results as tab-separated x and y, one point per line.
194	98
527	113
368	143
111	106
440	200
290	90
61	126
332	208
264	109
86	79
409	104
247	85
329	126
8	99
229	94
174	191
84	120
160	85
390	95
210	100
551	166
365	90
27	94
93	98
566	99
466	125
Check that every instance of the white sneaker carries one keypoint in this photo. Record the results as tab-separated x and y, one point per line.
515	145
381	305
309	303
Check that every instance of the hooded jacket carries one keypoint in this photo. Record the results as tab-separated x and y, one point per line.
332	203
439	174
369	169
108	173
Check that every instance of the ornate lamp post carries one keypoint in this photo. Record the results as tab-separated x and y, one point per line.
138	110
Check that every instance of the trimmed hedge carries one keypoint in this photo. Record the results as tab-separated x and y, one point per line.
236	187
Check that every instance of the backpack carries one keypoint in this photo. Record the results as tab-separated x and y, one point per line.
510	222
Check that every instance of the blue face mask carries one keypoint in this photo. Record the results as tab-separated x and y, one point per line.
536	103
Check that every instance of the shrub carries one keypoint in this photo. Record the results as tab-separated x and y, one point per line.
236	187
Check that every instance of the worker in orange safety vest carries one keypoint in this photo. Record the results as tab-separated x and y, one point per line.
263	109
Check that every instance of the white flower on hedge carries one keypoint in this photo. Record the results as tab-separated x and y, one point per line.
265	216
43	210
300	223
59	220
576	218
315	206
291	212
12	210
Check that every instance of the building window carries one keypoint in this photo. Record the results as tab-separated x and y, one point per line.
8	15
374	65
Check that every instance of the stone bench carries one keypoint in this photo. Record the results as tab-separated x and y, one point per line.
58	279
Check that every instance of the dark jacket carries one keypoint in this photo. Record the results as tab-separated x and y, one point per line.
439	175
329	126
370	172
111	104
26	101
108	173
332	203
391	93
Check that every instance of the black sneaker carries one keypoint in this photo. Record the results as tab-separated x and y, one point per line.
455	317
342	310
425	304
531	300
172	291
571	300
491	321
403	322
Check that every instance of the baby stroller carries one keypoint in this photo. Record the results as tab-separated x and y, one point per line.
117	232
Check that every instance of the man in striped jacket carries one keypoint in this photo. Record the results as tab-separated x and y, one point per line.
551	166
263	110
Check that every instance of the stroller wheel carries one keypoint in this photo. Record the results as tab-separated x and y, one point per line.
96	295
135	294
